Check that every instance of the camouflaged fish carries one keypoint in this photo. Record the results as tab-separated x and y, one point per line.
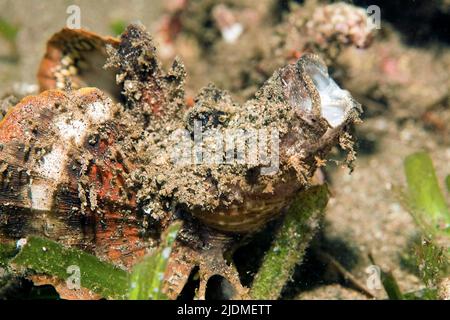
92	161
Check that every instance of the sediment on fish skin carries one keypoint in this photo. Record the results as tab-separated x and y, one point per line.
114	166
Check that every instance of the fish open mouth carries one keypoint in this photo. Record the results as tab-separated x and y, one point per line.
335	103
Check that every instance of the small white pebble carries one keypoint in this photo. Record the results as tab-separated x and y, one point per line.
20	243
232	33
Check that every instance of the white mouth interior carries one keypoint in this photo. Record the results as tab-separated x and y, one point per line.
334	100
